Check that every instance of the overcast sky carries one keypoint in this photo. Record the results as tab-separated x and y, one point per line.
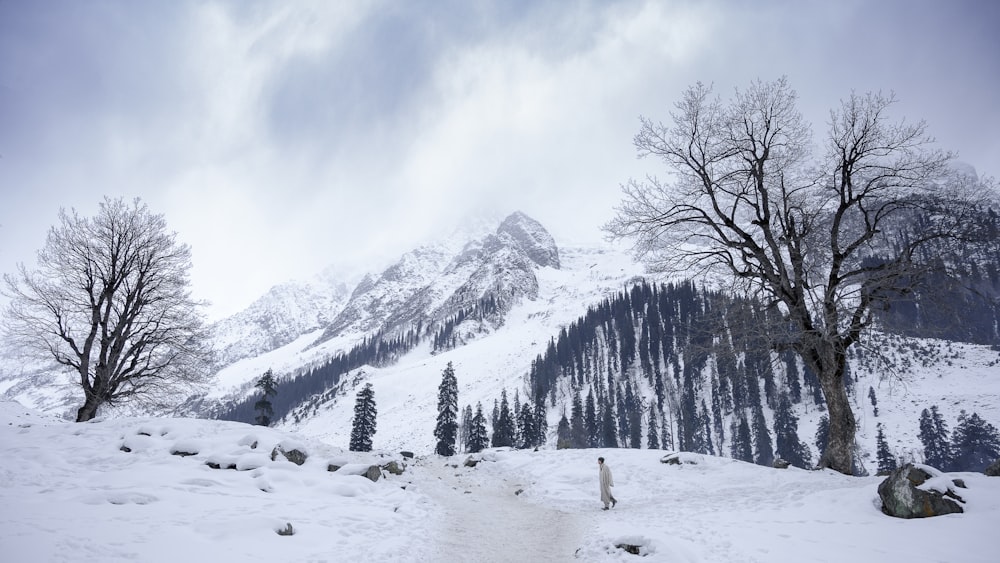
279	138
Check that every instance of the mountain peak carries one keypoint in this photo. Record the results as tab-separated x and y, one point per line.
532	238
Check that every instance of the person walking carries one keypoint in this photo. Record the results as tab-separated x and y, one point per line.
606	483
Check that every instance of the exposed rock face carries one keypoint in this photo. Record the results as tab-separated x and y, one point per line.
918	492
532	238
433	283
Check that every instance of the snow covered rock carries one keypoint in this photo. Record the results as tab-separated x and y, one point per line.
993	470
532	238
293	454
919	491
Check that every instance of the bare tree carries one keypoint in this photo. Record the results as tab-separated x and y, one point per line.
822	239
109	299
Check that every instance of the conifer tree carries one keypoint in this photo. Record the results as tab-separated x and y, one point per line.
742	444
268	389
465	427
503	432
578	430
564	435
822	433
934	436
786	435
479	439
446	430
591	424
609	434
364	424
528	435
871	397
975	444
886	461
517	439
666	431
652	433
763	452
708	445
541	423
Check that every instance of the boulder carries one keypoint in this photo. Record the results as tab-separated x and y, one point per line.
472	461
780	463
918	491
993	470
372	472
407	455
294	455
394	467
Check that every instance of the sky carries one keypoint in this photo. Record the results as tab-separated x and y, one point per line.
282	138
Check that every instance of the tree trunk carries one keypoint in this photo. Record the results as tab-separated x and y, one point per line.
89	408
840	446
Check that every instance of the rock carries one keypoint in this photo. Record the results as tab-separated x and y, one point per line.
780	463
629	548
394	467
678	458
902	496
407	455
296	456
286	531
373	473
993	470
333	467
472	461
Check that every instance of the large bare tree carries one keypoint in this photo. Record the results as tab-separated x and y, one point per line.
109	299
821	236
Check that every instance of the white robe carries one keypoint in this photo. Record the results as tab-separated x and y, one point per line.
606	483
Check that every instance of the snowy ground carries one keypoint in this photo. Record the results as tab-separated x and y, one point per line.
69	493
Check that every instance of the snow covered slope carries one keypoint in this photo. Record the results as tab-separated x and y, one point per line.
72	493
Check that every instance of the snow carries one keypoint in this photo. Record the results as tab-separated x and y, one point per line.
71	493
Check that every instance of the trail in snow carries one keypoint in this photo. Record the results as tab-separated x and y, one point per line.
482	518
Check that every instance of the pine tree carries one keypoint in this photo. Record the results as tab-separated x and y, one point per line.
364	424
503	432
886	461
541	423
786	435
465	427
609	433
268	388
822	433
975	444
873	399
763	452
708	446
742	444
590	423
479	439
934	436
446	430
564	436
652	433
578	430
526	423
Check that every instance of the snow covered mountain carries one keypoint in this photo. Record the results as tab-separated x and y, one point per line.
429	284
493	304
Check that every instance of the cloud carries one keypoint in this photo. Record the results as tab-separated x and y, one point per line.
279	138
